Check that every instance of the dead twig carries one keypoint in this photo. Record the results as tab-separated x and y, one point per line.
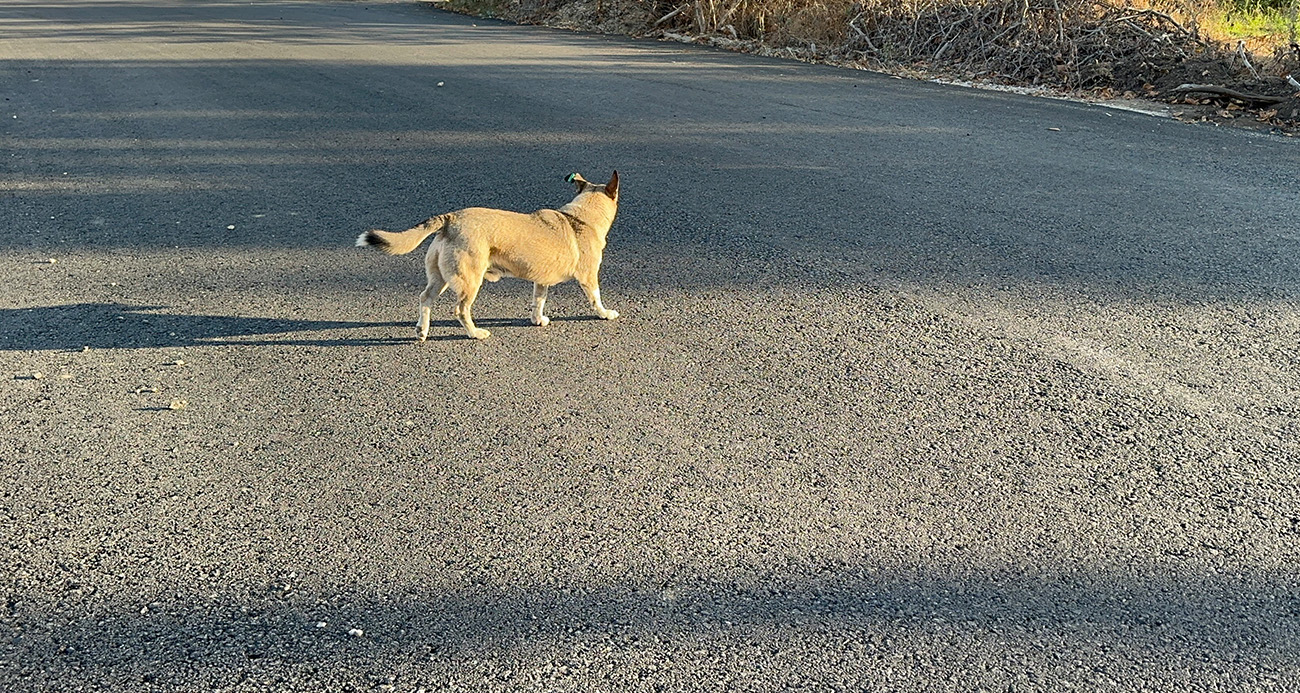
946	43
1230	93
1171	20
1241	53
1007	30
1134	12
1135	27
853	24
727	17
670	15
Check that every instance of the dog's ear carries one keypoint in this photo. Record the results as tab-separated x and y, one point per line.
611	188
578	181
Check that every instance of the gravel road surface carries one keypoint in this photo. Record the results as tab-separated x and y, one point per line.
916	388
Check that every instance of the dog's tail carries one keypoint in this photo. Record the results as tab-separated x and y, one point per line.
402	242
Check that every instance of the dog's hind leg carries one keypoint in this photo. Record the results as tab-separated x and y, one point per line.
434	287
539	304
464	275
466	294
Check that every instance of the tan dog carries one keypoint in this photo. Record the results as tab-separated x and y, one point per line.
546	247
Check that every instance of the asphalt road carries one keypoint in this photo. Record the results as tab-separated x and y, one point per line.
915	388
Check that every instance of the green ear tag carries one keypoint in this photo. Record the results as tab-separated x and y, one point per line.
570	178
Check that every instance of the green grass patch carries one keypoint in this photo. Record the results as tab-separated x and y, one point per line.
1249	21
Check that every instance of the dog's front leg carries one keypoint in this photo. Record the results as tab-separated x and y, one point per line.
592	288
539	304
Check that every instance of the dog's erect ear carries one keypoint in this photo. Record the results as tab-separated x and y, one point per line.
611	188
577	180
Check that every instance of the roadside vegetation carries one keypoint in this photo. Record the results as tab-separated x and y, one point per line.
1223	59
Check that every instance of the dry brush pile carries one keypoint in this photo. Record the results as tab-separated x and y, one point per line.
1066	43
1098	45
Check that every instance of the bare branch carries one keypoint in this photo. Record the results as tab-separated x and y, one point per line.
1230	93
670	15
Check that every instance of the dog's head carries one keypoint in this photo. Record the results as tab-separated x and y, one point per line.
585	186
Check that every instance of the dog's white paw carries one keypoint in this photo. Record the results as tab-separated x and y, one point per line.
609	314
480	333
541	321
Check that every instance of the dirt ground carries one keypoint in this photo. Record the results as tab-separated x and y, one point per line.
1269	102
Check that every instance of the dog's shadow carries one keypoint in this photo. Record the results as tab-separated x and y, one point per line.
511	322
442	330
118	326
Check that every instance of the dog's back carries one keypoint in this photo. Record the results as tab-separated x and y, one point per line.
540	247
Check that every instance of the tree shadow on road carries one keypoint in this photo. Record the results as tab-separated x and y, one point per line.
1170	632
